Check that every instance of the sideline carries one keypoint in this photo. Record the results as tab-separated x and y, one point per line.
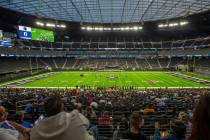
27	79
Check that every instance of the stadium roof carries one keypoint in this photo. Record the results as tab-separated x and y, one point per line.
108	11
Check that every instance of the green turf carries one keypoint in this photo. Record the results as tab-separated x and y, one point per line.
96	79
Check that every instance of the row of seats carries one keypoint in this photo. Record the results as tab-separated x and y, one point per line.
112	108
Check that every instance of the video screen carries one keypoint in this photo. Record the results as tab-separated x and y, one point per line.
35	34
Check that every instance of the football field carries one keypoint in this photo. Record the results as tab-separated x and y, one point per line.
110	79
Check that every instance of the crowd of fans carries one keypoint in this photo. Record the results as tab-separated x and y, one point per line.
104	114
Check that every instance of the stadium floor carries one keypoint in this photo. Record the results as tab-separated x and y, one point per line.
110	79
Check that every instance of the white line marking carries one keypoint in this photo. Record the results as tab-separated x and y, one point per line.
137	87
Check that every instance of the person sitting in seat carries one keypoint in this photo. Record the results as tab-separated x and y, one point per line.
177	132
60	125
134	132
19	118
11	128
184	117
90	113
149	109
4	135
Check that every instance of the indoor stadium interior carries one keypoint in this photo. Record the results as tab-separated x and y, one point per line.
104	69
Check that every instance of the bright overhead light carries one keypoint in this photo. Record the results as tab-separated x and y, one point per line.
162	25
83	28
89	28
127	28
63	26
135	28
140	28
173	24
107	29
40	23
100	29
96	28
50	25
116	29
183	23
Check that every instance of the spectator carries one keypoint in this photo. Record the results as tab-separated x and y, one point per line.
90	113
185	119
29	108
6	136
94	104
59	125
20	120
178	131
161	105
78	107
12	128
201	120
134	132
105	119
149	109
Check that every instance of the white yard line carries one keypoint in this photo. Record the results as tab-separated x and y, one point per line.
137	87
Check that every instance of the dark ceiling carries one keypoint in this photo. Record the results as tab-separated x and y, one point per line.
108	11
199	25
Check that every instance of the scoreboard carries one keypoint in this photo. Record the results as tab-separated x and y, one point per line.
35	34
24	32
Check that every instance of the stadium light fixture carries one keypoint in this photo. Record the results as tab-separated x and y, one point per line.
89	28
183	23
122	28
162	25
63	26
107	29
127	28
100	28
173	24
116	29
140	28
83	28
39	23
135	28
50	25
96	28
